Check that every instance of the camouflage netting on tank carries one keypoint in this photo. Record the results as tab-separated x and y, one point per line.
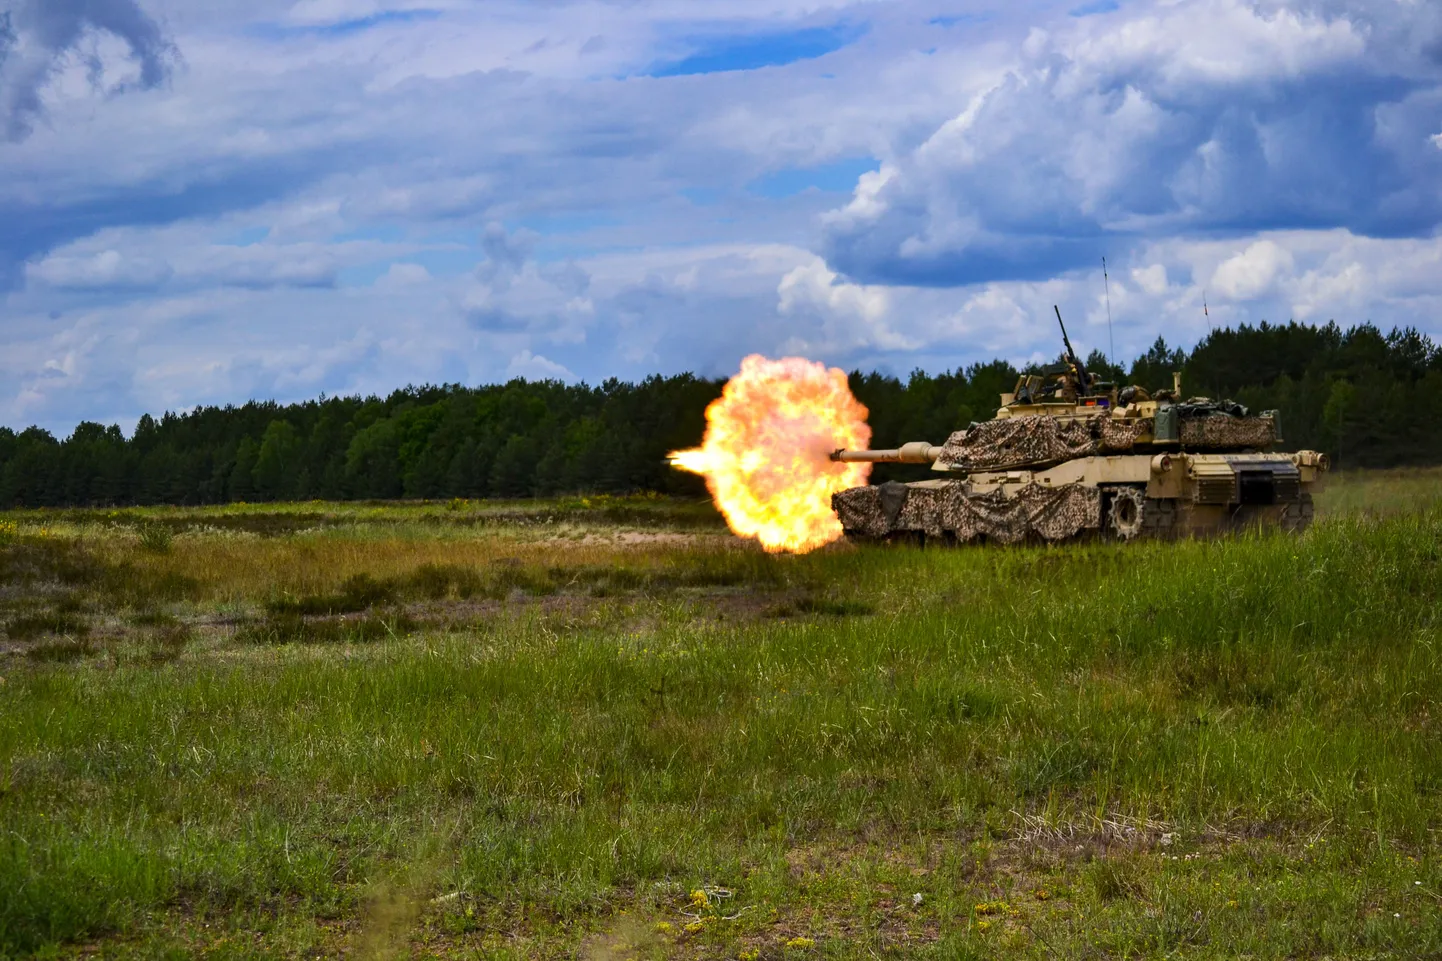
936	508
1222	430
1037	439
1117	434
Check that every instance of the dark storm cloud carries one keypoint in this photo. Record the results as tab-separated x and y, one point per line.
7	35
35	36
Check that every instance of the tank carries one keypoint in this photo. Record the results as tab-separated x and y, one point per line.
1069	456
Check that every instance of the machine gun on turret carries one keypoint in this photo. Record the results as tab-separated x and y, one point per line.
1083	381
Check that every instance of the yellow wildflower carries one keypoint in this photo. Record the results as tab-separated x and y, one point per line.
800	943
663	927
983	925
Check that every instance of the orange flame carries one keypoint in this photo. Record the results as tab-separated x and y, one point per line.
766	454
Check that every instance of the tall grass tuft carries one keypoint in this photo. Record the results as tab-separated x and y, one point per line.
155	538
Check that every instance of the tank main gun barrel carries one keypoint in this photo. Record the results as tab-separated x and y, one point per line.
917	452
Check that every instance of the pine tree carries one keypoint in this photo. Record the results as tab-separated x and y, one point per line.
276	461
242	475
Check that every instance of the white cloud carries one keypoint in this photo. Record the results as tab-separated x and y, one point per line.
866	203
537	367
1161	119
813	285
849	316
1152	279
401	276
512	292
1320	291
1253	272
105	269
661	311
178	258
1215	42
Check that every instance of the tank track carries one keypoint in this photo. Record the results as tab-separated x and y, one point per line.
1159	519
1297	516
1129	514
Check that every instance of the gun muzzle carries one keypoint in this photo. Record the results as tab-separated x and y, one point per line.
917	452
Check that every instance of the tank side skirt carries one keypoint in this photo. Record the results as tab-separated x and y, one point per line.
1068	500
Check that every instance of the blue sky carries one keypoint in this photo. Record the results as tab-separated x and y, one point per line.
207	201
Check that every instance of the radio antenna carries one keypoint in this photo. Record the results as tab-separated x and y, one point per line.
1111	340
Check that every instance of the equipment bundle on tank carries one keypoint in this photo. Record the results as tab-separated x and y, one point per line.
1069	455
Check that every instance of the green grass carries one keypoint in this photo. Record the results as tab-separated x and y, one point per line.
396	734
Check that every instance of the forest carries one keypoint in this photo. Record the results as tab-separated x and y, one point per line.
1367	398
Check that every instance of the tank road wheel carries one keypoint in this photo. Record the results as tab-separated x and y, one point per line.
1159	519
1297	516
1126	513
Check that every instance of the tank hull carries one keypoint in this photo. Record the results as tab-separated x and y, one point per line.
1122	497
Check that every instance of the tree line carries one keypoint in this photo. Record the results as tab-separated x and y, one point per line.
1367	398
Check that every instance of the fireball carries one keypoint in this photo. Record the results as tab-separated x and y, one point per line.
766	454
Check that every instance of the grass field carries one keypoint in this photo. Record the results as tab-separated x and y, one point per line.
604	728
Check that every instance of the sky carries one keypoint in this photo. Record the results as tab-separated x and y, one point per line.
209	201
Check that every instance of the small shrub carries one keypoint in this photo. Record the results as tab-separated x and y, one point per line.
61	652
70	603
726	569
362	591
437	581
49	560
289	627
822	606
507	578
1113	881
155	538
834	608
141	587
168	645
32	626
153	618
357	593
607	581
